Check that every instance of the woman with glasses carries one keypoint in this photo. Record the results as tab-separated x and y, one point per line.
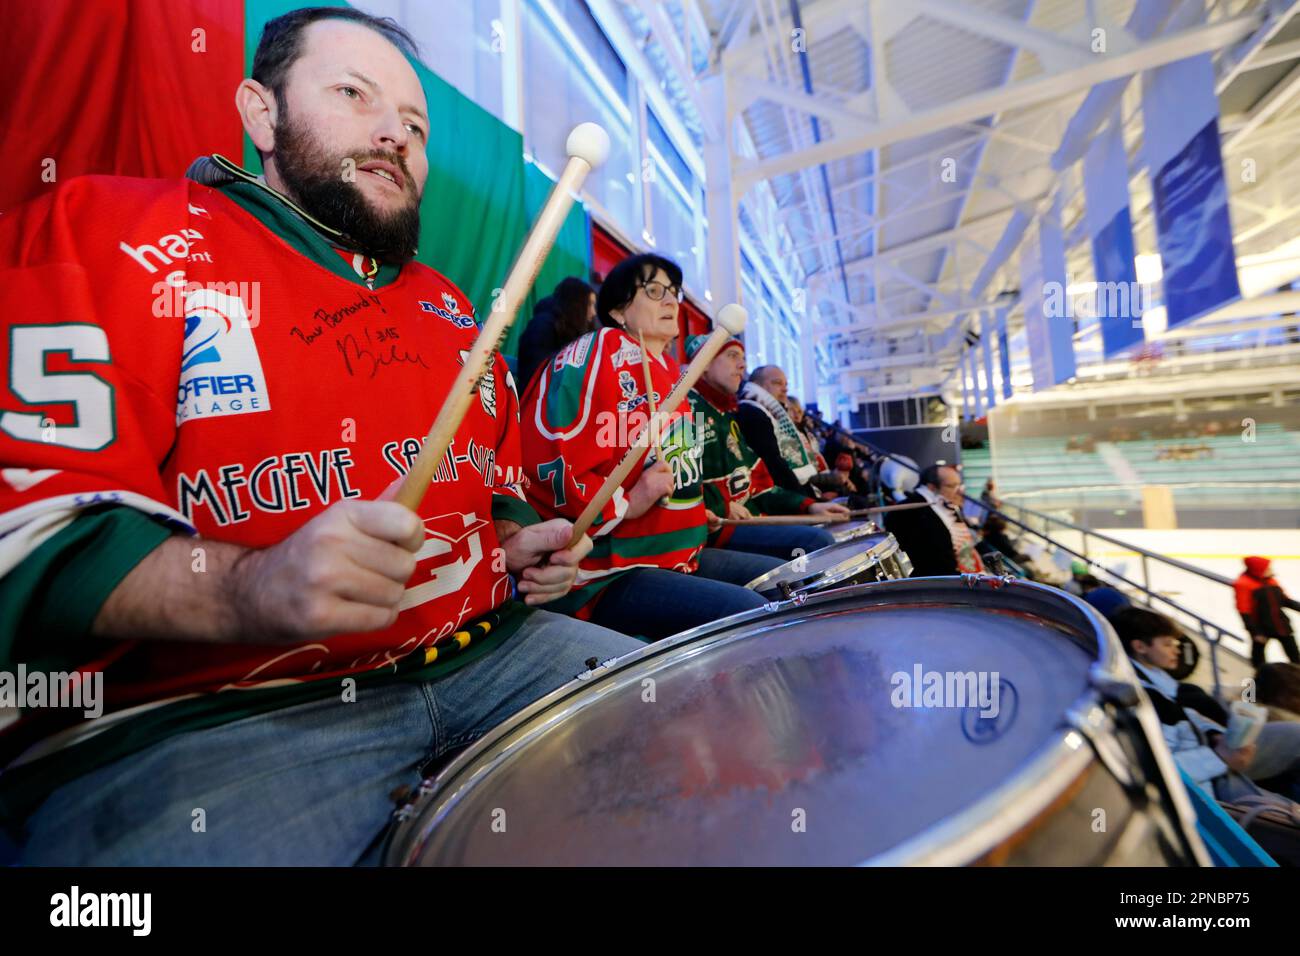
648	573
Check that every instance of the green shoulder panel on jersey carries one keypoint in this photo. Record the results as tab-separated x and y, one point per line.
568	391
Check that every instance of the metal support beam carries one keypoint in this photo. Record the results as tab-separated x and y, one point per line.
1168	49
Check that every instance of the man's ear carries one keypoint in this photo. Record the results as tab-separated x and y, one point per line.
257	109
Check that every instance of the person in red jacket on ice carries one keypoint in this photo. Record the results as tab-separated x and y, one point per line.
1261	602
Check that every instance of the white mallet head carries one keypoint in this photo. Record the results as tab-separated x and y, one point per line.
589	142
732	318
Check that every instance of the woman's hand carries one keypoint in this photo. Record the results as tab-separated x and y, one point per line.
655	482
738	512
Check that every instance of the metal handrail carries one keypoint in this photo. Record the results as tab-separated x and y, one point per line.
1126	545
1210	632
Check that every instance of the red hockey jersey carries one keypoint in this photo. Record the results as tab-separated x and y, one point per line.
579	415
166	351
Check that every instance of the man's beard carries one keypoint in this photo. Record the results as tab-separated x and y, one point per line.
315	181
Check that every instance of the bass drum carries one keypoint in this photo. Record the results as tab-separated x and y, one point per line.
808	733
872	556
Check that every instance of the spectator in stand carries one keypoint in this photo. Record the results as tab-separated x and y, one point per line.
802	423
1108	600
1081	581
1277	687
989	495
995	536
565	315
937	539
1194	723
1262	603
769	430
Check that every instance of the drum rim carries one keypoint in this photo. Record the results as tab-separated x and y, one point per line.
984	822
867	527
887	547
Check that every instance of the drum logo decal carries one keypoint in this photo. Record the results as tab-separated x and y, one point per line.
980	729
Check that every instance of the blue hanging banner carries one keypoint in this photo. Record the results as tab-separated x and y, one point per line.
1004	354
1180	110
1049	326
986	342
1119	301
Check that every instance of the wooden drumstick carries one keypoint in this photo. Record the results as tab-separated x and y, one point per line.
730	322
863	512
587	147
786	520
649	388
822	518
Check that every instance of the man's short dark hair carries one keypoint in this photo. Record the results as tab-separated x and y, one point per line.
930	475
1139	624
281	42
619	288
759	375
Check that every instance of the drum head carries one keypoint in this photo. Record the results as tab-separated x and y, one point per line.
791	738
825	567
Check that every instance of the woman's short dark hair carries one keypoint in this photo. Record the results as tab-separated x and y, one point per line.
1139	624
281	41
619	288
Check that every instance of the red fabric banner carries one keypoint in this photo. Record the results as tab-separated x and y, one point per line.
103	86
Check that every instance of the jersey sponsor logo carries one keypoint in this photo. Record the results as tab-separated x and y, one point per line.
627	354
151	257
733	439
275	485
575	353
487	387
452	549
450	311
401	455
627	385
221	372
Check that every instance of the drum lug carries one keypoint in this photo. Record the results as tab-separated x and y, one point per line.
1099	730
973	581
1113	687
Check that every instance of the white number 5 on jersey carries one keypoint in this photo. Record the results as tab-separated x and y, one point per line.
92	428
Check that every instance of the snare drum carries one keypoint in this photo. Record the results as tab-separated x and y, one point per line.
846	530
784	736
867	557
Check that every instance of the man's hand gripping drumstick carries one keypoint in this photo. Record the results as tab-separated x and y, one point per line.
539	582
587	146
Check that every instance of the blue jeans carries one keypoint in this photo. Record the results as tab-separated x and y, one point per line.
656	603
309	784
779	541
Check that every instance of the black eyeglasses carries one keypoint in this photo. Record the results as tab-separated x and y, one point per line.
655	290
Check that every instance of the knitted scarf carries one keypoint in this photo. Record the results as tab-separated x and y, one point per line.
787	436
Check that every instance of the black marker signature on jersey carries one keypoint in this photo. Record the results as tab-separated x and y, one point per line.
363	358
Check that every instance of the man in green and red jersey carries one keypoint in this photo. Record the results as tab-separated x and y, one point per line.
210	387
736	481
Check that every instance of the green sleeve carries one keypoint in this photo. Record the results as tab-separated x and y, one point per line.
713	499
510	508
781	501
49	601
